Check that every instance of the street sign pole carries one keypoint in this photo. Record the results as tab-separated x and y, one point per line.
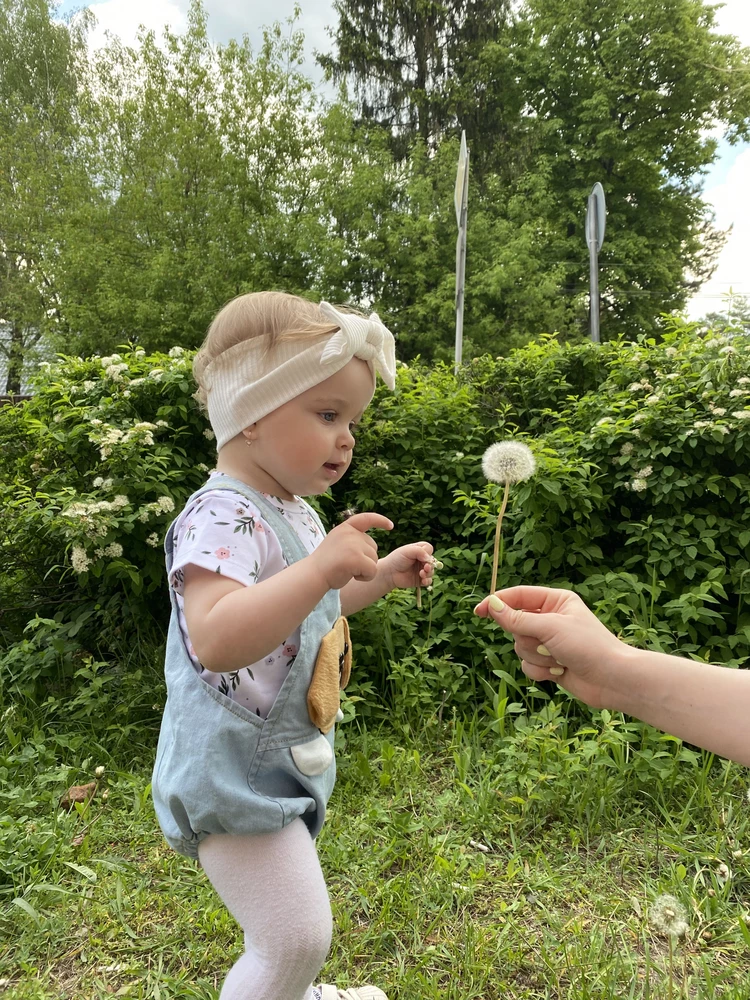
596	219
460	201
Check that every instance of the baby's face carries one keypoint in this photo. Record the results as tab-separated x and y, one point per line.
306	444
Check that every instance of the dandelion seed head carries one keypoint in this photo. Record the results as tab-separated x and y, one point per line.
508	462
668	917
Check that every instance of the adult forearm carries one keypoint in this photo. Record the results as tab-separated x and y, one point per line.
248	624
700	703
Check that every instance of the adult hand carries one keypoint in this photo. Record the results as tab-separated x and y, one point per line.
348	553
558	638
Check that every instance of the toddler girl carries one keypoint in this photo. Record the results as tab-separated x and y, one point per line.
258	644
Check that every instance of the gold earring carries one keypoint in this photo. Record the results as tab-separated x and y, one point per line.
249	441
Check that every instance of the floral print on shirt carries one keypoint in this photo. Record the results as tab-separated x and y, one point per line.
225	533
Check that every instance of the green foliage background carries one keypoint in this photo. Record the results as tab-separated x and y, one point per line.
641	502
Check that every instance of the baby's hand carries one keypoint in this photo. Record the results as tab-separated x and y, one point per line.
409	565
348	553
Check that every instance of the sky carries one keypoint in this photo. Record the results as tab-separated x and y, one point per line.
726	186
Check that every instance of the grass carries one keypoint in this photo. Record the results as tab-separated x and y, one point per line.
461	862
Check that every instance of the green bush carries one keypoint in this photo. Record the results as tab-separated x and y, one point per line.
641	502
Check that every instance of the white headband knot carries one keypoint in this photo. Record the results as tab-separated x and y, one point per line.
245	383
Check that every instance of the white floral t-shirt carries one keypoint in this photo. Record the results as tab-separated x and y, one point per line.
225	533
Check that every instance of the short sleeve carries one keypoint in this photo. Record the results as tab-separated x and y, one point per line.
223	532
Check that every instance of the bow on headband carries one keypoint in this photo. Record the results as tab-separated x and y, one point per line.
360	337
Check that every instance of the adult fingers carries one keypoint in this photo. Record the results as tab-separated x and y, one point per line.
537	673
530	648
546	600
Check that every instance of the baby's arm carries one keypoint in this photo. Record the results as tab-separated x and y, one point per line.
558	638
231	625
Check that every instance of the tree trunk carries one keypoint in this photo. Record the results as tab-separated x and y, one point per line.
15	361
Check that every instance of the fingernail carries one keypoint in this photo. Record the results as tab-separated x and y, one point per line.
496	604
557	671
543	650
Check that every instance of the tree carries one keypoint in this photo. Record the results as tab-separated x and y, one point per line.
204	158
39	178
627	93
735	318
419	69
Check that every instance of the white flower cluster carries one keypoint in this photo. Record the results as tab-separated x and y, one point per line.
91	516
79	560
670	352
113	551
101	483
176	352
208	433
153	540
738	392
627	448
742	414
745	380
141	433
638	485
645	472
164	505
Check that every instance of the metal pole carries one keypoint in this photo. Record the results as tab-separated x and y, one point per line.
593	269
461	269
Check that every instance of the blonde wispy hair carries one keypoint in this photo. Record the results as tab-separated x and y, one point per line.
278	316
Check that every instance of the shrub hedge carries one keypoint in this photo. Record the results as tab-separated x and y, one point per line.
641	502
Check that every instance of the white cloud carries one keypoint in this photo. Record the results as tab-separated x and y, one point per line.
124	17
732	206
734	19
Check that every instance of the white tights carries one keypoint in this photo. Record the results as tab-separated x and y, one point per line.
273	887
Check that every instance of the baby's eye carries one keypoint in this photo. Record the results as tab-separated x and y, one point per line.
329	416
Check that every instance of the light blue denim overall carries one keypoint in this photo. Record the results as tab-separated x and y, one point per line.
219	767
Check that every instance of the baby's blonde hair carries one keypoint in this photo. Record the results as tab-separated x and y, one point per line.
277	315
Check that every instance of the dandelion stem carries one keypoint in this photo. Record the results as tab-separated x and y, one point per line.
498	529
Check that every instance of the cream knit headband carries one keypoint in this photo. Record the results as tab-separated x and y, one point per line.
247	382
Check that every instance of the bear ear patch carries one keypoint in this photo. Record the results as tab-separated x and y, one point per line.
332	671
314	757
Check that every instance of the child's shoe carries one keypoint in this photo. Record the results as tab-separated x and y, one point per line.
360	993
